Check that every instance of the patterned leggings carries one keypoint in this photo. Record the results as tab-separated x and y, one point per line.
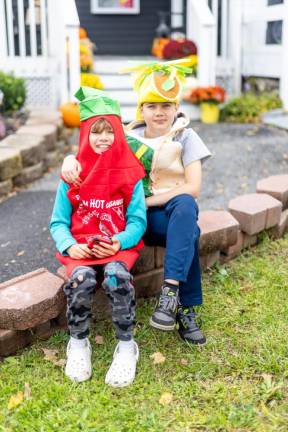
118	286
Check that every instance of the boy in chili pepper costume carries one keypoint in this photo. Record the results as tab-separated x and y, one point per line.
109	203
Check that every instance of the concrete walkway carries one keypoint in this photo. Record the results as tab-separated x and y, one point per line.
242	155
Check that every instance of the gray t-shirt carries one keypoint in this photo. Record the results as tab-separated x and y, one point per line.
193	148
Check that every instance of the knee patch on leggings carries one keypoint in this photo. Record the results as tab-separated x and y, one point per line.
118	275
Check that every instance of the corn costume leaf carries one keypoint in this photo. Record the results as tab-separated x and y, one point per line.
158	82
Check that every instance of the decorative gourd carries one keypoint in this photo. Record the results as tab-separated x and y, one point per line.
82	33
158	46
71	114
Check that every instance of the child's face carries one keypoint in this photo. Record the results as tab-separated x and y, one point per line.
101	142
159	116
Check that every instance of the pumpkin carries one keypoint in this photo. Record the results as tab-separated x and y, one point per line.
158	46
71	114
82	33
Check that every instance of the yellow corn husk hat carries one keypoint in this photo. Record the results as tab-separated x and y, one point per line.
158	82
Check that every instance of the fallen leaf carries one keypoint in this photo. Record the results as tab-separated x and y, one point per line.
184	362
99	340
20	253
15	400
158	357
27	391
5	244
166	398
50	354
60	362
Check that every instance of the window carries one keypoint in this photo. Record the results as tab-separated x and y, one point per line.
274	33
274	2
115	6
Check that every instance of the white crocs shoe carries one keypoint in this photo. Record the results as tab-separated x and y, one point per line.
123	368
78	366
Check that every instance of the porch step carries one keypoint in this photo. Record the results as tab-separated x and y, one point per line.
116	81
119	86
112	64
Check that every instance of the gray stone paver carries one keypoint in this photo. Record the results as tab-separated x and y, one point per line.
242	154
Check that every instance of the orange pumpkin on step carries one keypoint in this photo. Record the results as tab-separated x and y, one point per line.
71	114
82	33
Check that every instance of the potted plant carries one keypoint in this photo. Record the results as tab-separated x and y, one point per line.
209	99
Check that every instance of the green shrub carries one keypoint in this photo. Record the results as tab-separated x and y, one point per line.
249	107
14	93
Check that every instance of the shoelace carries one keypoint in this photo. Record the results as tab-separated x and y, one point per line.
167	302
189	317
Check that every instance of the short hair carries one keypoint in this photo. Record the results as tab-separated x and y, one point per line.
100	125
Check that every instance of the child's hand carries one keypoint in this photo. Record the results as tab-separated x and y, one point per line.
103	250
79	251
71	169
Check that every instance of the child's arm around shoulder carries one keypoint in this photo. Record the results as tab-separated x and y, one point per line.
136	221
71	169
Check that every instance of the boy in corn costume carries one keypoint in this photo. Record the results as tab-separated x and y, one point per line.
172	155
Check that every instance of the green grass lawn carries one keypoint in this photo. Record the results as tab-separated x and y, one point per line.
238	381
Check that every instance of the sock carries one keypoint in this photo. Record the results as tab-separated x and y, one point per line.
126	345
77	343
171	286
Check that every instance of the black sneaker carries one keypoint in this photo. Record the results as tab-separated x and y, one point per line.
164	315
187	326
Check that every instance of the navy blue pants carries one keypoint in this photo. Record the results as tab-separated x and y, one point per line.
174	226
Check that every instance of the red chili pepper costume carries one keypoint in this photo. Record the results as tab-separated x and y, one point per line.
99	205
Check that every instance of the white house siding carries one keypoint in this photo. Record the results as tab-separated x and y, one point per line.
259	58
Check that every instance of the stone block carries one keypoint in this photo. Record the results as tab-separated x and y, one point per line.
47	114
276	186
29	174
43	331
47	132
61	320
234	250
61	272
159	256
249	240
12	341
52	159
10	163
218	231
208	261
281	228
255	212
5	187
31	147
31	299
148	284
61	146
145	262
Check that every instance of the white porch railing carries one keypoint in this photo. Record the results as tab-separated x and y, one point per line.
39	41
201	29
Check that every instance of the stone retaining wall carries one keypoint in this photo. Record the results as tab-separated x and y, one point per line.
27	313
33	149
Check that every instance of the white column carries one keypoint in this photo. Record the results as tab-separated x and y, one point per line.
3	44
202	30
44	42
9	11
21	25
32	23
235	42
284	71
73	60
